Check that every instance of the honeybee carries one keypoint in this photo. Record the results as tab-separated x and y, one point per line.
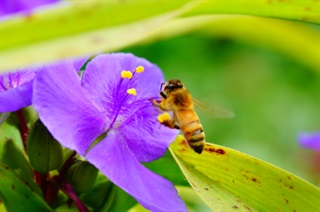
176	98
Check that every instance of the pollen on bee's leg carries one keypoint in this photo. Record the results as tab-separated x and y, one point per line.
132	91
164	117
139	69
126	74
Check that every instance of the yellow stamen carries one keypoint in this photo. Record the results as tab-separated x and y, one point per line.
132	91
164	117
139	69
126	74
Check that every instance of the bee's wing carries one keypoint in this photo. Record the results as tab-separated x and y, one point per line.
213	110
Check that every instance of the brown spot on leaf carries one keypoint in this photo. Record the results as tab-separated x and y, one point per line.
183	142
206	189
286	201
218	151
255	180
13	187
235	207
249	209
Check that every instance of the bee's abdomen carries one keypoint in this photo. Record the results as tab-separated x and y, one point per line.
194	135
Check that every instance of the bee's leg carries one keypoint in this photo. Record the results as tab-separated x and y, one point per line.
168	123
171	123
163	95
156	103
176	126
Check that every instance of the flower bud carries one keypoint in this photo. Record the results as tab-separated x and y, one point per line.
82	176
45	153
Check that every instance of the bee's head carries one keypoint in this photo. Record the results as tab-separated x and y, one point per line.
171	85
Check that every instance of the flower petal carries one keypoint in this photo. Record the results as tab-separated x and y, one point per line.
137	115
16	89
64	107
113	158
147	138
16	98
10	6
310	140
106	69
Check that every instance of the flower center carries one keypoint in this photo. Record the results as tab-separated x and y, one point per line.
125	75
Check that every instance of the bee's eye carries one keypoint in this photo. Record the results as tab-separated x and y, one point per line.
173	86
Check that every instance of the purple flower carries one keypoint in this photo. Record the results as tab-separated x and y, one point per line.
310	140
112	99
16	90
15	6
16	87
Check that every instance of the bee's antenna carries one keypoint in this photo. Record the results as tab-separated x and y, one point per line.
161	86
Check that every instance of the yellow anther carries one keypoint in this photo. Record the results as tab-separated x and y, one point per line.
126	74
132	91
164	117
139	69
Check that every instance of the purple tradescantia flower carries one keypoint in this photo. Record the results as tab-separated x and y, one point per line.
112	99
16	87
15	6
16	90
310	140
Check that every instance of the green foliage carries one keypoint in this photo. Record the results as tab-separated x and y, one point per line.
45	153
13	157
169	169
105	196
82	176
62	36
18	194
230	180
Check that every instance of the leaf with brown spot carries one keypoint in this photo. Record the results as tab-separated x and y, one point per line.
17	194
237	181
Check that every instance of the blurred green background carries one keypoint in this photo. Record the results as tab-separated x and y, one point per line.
273	96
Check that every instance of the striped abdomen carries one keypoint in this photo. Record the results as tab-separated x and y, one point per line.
192	129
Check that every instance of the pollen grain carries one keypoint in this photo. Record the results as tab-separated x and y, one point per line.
126	74
132	91
139	69
164	117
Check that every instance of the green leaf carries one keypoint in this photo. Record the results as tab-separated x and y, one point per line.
15	159
168	168
275	34
17	194
230	180
45	153
90	27
189	196
122	201
306	10
105	196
